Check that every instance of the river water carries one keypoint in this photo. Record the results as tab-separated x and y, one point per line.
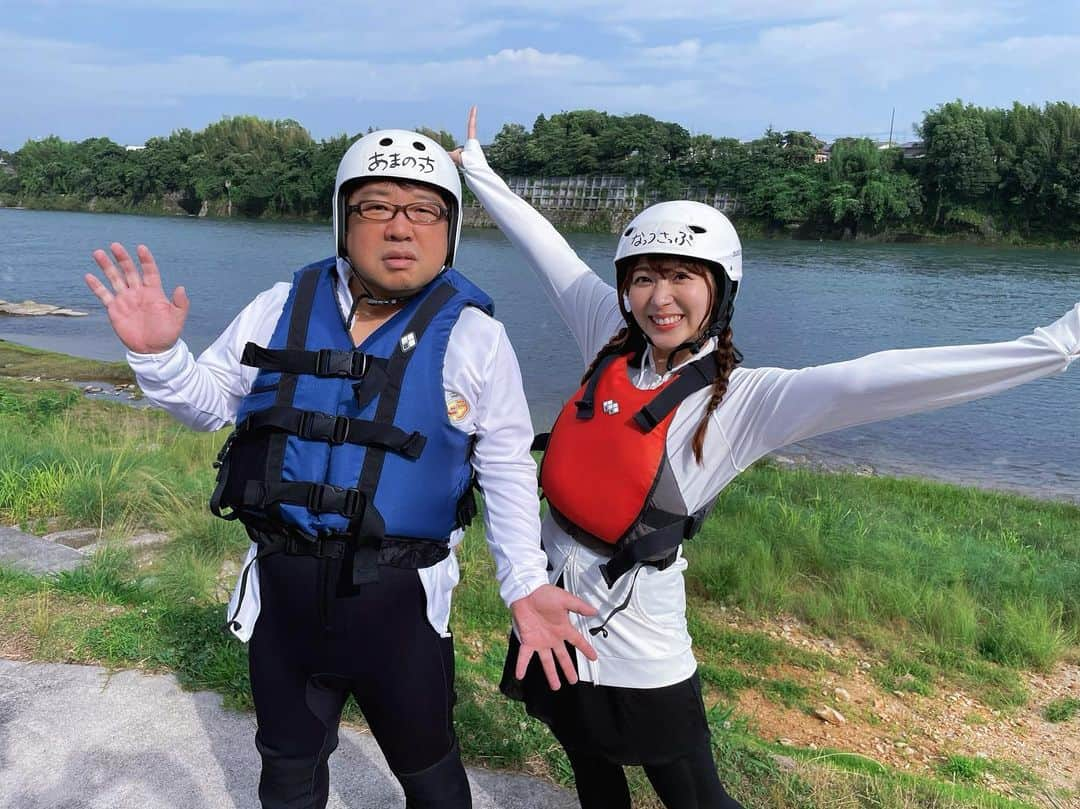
801	303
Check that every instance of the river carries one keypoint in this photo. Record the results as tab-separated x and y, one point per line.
801	303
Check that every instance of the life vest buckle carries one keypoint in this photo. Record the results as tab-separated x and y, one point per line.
355	503
324	427
324	497
348	364
695	522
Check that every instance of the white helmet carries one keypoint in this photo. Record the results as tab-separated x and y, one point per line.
398	154
690	229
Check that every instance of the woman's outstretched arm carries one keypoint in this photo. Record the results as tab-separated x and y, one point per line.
775	407
587	304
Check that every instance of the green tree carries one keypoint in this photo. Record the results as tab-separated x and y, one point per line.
507	153
959	161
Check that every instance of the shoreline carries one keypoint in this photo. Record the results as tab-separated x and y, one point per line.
118	387
829	463
611	222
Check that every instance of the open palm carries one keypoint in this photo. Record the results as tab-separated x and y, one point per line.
144	319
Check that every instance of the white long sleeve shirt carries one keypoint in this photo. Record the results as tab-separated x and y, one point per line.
480	370
648	645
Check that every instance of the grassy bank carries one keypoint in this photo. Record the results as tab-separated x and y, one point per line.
943	588
22	361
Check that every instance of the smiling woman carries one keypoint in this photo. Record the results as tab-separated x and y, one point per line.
663	421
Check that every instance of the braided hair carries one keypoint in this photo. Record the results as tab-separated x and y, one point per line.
727	358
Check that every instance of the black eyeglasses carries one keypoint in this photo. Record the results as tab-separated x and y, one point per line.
419	213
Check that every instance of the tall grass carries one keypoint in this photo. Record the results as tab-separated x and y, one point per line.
938	578
992	575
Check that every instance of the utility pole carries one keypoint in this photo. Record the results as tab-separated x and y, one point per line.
892	120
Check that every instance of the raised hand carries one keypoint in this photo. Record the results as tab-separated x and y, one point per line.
144	319
470	134
543	625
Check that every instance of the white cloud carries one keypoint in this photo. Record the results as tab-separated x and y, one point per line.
628	33
76	71
399	34
684	54
1060	51
717	65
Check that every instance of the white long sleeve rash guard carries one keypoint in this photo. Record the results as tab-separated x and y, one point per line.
480	369
648	645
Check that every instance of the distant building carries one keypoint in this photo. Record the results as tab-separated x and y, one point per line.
135	148
913	149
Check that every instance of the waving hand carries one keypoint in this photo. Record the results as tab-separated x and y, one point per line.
144	319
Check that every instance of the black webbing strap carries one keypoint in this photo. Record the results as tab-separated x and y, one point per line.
584	405
651	547
325	362
316	497
655	546
467	507
540	442
316	426
386	409
372	384
690	379
296	340
222	466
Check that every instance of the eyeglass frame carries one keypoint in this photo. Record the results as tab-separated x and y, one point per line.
444	212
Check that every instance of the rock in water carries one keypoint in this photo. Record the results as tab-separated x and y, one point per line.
33	308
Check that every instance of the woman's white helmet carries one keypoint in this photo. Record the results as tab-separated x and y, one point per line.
690	230
398	154
683	228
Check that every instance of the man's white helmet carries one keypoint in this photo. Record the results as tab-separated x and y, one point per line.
690	229
398	154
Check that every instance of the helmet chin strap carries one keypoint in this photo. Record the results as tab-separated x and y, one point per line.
366	295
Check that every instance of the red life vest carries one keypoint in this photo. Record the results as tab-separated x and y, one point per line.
606	473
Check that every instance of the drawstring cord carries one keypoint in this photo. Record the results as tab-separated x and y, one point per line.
601	630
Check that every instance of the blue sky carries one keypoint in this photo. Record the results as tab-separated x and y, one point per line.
132	70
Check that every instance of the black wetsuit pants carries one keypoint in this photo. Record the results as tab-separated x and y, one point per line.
689	782
319	639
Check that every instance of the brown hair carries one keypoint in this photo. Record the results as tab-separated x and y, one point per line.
632	339
726	360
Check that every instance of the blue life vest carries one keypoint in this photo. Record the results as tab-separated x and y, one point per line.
336	440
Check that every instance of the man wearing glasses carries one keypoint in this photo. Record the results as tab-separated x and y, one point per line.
369	396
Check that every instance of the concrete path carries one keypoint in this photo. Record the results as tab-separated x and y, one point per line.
78	737
36	555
